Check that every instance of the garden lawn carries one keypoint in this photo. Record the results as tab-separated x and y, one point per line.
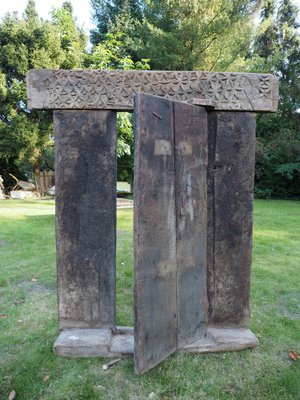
29	327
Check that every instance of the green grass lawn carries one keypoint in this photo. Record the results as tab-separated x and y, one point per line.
29	327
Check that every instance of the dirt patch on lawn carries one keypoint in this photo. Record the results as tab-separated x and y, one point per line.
34	287
290	305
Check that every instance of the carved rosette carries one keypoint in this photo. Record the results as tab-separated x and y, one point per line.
62	89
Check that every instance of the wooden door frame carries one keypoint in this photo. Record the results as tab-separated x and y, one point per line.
227	94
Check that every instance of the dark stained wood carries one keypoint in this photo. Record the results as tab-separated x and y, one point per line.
191	208
231	138
85	217
154	233
170	227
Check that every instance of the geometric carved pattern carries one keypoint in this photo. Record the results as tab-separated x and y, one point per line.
114	90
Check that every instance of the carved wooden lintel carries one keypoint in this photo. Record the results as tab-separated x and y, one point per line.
114	90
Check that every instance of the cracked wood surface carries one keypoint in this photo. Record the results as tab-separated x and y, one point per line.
85	182
231	150
114	90
170	227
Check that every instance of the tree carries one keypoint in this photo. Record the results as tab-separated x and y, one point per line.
277	50
30	11
181	34
219	35
111	53
73	39
26	43
106	14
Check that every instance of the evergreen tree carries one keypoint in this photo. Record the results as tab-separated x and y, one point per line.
73	39
112	53
181	34
25	137
30	13
106	13
277	50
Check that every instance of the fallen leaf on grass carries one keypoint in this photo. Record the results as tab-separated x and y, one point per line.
12	395
294	356
3	316
46	378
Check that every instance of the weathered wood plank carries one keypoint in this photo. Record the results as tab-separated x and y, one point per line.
114	90
223	339
85	217
191	209
154	233
170	228
231	141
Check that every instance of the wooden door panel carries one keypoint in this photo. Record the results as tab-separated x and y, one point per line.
154	233
169	227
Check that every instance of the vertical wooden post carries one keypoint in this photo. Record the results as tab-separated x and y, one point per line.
231	141
85	217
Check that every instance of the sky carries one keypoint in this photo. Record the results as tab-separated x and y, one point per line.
81	9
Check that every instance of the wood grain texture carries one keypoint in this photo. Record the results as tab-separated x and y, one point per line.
114	90
85	217
231	141
190	125
170	227
154	233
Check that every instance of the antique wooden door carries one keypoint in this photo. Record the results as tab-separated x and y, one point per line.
170	227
